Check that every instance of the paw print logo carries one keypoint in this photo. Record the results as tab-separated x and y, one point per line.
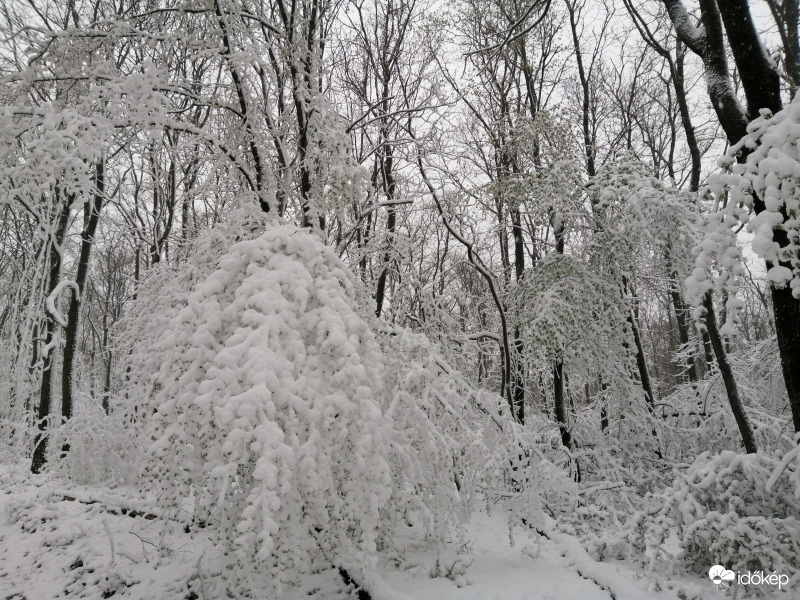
719	574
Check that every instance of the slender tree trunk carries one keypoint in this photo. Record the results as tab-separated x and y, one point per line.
475	260
91	217
681	311
586	92
641	361
46	389
108	356
560	404
603	404
518	380
641	366
252	142
387	166
745	429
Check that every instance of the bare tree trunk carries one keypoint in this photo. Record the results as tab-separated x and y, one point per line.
681	312
787	15
387	166
252	142
46	389
518	380
641	365
745	429
475	260
560	405
91	217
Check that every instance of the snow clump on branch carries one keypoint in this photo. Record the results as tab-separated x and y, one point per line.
769	175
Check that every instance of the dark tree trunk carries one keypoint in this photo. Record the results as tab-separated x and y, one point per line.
108	356
518	379
46	389
252	142
475	260
390	185
745	429
761	83
560	405
678	79
785	13
786	310
603	405
91	217
681	312
641	361
586	94
641	364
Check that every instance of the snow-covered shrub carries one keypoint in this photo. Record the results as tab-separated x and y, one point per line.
722	513
159	297
102	448
448	437
268	406
16	392
298	425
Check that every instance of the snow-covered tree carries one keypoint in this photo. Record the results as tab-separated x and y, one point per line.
296	424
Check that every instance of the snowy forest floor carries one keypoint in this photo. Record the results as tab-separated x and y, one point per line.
59	540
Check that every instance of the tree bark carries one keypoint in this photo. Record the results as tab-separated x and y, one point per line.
46	388
560	404
681	311
252	142
387	168
745	429
518	380
91	217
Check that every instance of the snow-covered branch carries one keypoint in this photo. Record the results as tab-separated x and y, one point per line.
53	297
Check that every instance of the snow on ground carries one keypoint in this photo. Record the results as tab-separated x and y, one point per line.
58	540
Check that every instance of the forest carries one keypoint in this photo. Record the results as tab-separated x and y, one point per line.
399	299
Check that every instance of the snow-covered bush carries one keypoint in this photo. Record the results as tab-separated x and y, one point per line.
697	415
298	425
722	513
268	410
102	448
448	437
159	297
